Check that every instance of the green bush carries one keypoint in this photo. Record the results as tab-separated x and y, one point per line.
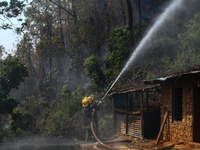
20	121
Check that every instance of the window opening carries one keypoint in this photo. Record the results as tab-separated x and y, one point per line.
177	107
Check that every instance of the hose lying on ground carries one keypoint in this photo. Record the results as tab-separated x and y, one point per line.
101	143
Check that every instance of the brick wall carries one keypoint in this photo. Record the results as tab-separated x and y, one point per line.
178	130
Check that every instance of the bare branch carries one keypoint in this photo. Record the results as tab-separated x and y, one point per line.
63	9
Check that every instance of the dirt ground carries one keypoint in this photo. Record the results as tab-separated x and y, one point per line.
131	143
149	144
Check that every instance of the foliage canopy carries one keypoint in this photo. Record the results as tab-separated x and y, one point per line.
11	10
12	73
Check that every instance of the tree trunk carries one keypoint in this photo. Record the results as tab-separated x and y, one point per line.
139	12
29	57
61	28
50	44
153	6
123	12
74	11
48	19
130	15
140	16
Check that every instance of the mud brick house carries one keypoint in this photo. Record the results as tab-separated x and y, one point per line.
136	111
180	97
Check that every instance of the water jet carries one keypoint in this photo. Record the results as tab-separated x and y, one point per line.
167	14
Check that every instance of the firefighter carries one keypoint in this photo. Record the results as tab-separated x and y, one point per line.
89	107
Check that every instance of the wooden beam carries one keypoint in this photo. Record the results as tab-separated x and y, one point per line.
152	91
117	140
194	143
141	114
162	126
128	112
170	145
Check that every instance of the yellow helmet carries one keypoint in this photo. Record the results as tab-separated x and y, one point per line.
85	102
90	98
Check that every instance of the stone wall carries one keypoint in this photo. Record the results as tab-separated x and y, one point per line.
178	130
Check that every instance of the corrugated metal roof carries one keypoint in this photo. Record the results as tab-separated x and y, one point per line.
134	89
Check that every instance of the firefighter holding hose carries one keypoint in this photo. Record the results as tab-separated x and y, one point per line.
89	107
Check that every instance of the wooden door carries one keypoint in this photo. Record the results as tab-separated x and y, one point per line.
196	127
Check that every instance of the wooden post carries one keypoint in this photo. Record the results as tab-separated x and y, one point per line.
162	126
114	113
147	99
126	131
141	114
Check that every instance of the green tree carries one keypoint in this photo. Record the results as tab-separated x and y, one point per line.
12	73
69	111
93	70
2	50
11	10
25	52
72	101
19	121
190	39
119	46
189	44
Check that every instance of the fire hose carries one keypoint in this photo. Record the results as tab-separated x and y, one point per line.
92	128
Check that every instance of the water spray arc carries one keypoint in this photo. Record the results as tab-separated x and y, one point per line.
167	14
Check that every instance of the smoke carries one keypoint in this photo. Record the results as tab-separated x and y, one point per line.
43	144
164	40
167	38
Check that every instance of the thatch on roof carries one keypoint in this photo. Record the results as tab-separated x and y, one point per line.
178	73
132	80
189	73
